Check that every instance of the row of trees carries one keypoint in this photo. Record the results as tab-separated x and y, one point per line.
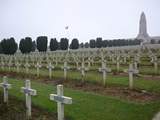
26	45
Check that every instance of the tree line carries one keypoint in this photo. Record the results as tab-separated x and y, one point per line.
27	45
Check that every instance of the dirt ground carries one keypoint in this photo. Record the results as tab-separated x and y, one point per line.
15	110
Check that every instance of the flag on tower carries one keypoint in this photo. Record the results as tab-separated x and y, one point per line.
66	27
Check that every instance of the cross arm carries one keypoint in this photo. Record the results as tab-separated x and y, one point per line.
62	99
29	91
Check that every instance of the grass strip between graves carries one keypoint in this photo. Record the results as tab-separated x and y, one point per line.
87	106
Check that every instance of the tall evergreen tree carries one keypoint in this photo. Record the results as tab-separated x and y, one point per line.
25	45
74	44
92	43
99	42
53	44
42	43
81	45
9	46
86	45
64	44
1	51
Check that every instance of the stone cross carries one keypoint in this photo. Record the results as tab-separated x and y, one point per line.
136	60
17	66
28	92
50	67
131	71
65	68
155	62
5	86
2	64
118	63
27	65
61	100
104	70
83	69
9	65
38	66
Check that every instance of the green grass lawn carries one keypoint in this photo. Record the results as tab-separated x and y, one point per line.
88	106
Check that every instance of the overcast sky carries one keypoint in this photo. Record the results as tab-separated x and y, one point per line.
87	19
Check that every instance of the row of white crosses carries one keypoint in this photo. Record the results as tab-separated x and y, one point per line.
29	92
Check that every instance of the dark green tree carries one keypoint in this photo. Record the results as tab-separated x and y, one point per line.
99	42
42	43
74	44
53	44
86	45
9	46
1	51
64	44
81	45
25	45
92	43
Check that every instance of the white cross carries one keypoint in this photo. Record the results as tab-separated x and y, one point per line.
9	65
28	92
155	62
65	68
5	86
27	65
83	69
136	60
104	70
50	67
17	66
118	62
61	100
2	64
131	71
38	66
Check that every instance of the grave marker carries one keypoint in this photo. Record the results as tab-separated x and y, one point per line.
6	87
61	100
131	71
28	93
104	70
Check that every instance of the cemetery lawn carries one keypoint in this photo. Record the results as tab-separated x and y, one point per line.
86	105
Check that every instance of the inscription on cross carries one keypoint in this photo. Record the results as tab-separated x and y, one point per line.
28	93
6	87
61	100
